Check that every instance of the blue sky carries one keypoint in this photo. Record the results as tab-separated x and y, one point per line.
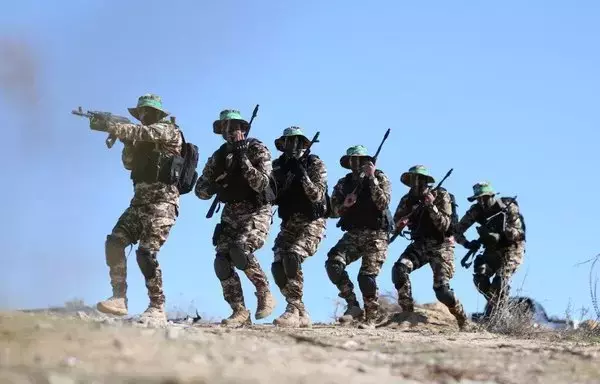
505	92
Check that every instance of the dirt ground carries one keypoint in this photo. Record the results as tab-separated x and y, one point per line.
424	348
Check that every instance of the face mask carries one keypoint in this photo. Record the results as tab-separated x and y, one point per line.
293	146
486	201
229	131
148	116
356	163
418	185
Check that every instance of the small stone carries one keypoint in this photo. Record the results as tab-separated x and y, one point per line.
82	315
118	344
350	344
70	361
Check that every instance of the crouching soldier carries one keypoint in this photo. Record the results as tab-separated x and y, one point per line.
301	181
429	217
502	233
238	172
148	153
361	200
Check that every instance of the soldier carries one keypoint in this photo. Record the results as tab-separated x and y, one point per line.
361	200
302	189
503	237
239	173
429	216
149	151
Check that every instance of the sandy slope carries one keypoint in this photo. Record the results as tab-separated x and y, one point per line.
61	349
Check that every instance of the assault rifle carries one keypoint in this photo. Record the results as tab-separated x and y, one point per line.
420	205
110	140
215	203
465	260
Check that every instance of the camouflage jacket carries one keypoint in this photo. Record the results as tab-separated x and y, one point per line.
168	139
381	192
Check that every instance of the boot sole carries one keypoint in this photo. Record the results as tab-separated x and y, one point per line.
110	311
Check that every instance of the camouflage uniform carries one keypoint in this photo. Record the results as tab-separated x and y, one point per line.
432	243
152	213
302	188
366	225
504	253
245	223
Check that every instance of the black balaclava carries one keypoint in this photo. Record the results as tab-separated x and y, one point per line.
293	146
148	116
487	201
230	127
418	185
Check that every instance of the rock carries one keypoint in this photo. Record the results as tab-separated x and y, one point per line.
82	315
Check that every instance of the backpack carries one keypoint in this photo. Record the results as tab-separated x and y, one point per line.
454	216
515	202
188	175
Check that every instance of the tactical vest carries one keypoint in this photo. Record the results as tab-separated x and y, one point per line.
151	165
423	227
234	187
293	199
364	214
497	223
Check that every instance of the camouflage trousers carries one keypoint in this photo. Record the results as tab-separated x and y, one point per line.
150	224
372	246
242	231
440	257
297	240
500	264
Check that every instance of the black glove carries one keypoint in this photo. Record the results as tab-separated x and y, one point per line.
490	238
98	124
472	245
240	148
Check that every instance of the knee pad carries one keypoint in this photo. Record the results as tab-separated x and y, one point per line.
223	269
445	295
278	271
335	271
147	262
239	257
399	274
291	264
367	285
114	249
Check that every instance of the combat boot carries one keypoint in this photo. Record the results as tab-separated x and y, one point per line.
371	312
289	319
154	316
239	317
304	317
117	303
353	312
461	317
265	305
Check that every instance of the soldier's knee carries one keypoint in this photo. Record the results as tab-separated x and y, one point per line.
278	271
445	295
114	249
147	262
335	270
239	257
483	269
400	273
367	285
291	264
222	267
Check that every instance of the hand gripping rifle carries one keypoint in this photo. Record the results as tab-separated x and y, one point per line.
301	159
465	260
362	173
110	140
420	204
215	203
